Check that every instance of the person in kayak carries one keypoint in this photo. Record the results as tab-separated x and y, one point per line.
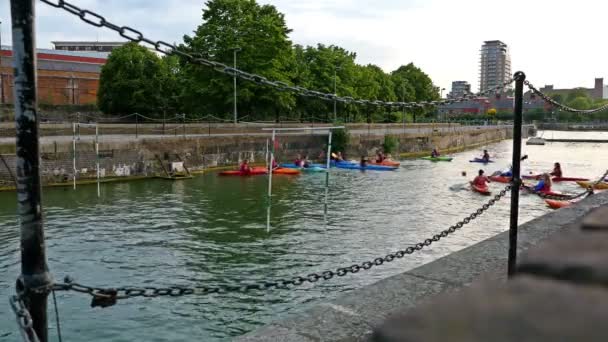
363	162
486	156
305	162
244	168
339	157
435	153
380	157
508	172
298	161
557	170
544	185
480	180
274	164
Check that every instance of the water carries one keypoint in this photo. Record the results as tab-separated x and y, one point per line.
212	230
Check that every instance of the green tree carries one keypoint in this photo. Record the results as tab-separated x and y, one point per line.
581	102
130	80
260	36
420	87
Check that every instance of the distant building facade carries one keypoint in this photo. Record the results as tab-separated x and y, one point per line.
481	105
459	89
64	77
87	46
599	91
494	64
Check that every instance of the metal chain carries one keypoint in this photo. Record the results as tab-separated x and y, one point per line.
163	47
564	197
24	319
561	106
108	296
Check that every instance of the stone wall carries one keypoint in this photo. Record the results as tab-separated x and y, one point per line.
124	156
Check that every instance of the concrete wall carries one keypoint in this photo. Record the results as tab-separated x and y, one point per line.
125	156
354	315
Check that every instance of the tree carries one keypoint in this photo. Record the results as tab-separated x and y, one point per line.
581	102
260	36
130	80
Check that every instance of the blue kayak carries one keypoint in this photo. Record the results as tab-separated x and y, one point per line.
294	166
356	166
479	160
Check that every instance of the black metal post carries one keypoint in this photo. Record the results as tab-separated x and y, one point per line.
519	77
34	270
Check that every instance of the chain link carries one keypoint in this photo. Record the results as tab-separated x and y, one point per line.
561	106
108	296
134	35
24	319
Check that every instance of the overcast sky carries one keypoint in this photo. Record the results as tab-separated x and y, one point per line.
554	41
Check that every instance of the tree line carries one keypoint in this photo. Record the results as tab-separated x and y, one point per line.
135	79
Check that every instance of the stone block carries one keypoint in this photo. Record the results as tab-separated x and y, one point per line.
524	309
597	219
577	256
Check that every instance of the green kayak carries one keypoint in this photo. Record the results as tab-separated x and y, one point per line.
440	158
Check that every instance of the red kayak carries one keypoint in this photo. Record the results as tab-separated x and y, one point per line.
500	179
256	171
484	190
557	204
535	177
569	179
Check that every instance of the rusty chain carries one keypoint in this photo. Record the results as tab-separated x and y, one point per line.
163	47
561	106
24	319
108	296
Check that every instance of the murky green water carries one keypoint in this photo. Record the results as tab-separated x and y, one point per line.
212	230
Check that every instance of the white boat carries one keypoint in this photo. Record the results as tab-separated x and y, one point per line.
535	141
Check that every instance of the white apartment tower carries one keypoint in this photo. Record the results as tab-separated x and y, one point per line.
495	64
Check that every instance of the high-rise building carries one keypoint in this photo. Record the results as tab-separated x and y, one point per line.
495	64
459	89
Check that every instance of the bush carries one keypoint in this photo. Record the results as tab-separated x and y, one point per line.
390	144
340	139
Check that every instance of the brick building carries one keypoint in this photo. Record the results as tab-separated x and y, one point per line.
64	77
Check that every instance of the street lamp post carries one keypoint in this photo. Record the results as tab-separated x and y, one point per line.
234	80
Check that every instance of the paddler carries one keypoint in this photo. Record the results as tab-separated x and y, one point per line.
274	164
544	185
486	156
557	170
435	153
380	157
244	168
480	180
306	162
363	162
298	161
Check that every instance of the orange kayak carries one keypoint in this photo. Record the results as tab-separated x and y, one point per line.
386	163
484	190
557	204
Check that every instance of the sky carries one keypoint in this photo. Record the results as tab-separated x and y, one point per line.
553	41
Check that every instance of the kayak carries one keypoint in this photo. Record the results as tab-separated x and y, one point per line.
568	179
256	171
536	177
557	204
253	172
294	166
479	160
484	190
500	179
440	158
285	171
386	163
353	166
599	186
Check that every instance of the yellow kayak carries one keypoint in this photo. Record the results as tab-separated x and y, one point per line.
602	185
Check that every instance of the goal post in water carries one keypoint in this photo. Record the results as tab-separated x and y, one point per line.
271	160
